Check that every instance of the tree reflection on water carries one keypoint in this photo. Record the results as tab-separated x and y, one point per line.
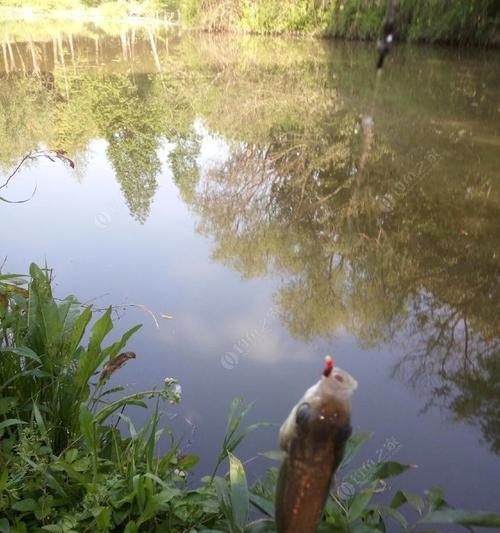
299	194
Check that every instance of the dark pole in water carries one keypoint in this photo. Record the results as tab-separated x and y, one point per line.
388	28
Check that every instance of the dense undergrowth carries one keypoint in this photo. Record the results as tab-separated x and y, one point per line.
455	22
72	460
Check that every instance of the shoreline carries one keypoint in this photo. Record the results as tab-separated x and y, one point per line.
173	19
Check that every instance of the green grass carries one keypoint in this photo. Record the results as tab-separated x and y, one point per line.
66	467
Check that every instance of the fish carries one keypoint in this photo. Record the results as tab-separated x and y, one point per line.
313	439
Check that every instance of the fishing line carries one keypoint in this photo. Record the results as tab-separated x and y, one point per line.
383	47
367	121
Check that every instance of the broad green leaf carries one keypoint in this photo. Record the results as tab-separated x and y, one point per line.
93	357
132	399
112	351
23	351
173	490
10	422
107	392
353	445
131	527
394	515
239	492
139	491
73	333
188	461
359	502
262	504
87	426
4	525
27	505
464	518
222	492
436	499
151	509
99	330
69	312
403	496
387	470
8	276
39	419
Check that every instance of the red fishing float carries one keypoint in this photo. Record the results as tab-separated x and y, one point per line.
329	363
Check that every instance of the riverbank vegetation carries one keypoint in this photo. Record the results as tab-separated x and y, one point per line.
71	458
458	22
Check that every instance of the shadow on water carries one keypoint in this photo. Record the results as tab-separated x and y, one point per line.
402	250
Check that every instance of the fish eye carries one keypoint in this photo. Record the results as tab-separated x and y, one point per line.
303	413
338	377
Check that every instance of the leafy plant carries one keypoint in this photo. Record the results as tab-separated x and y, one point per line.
64	464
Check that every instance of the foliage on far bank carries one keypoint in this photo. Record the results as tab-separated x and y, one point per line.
458	22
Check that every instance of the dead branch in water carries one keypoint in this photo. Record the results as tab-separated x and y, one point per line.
49	154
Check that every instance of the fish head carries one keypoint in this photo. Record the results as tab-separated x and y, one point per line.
322	416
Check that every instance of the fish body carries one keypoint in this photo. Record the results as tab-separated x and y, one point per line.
313	438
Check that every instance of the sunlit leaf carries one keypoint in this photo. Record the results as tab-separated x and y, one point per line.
238	492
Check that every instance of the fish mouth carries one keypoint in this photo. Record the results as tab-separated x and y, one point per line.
340	384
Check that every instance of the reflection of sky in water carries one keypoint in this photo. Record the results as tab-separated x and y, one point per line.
83	230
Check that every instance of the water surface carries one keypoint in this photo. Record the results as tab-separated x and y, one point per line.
238	185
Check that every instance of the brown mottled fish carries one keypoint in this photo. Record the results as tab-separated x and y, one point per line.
313	438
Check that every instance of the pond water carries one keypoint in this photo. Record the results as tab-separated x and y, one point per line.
279	206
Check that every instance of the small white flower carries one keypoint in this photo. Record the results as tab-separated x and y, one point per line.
179	472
